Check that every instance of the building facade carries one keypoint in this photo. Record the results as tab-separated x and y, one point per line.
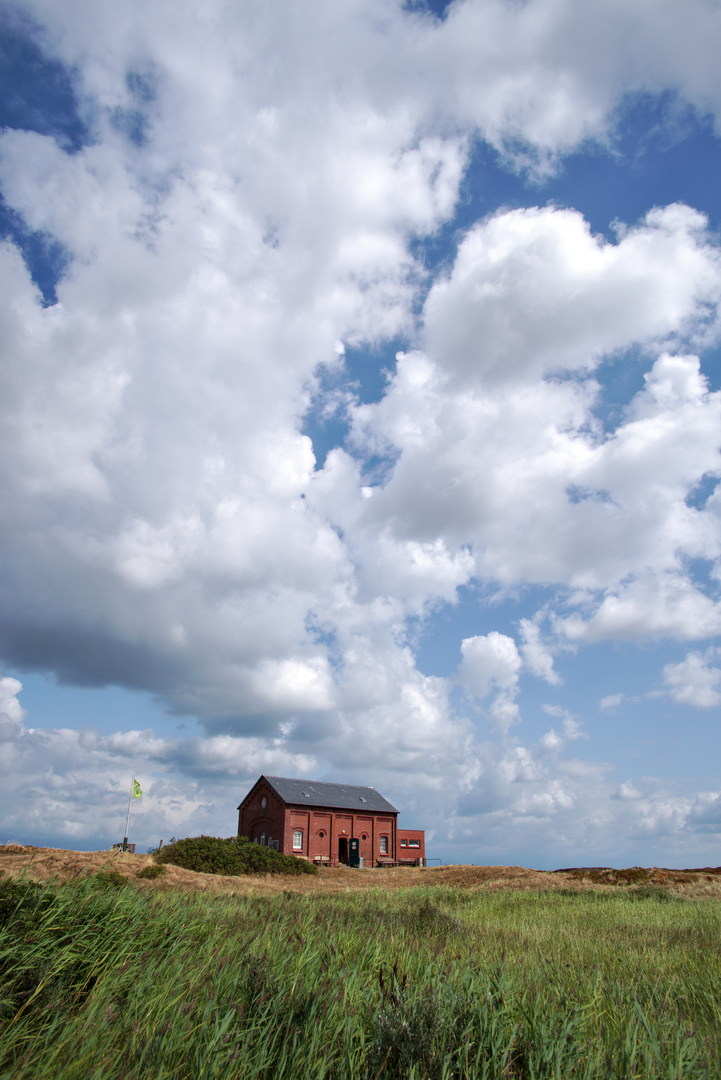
317	821
412	847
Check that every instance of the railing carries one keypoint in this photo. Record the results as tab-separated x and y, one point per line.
326	860
334	860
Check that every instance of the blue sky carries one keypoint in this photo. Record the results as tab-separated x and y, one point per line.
360	419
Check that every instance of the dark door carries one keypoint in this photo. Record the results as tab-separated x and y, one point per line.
353	852
343	849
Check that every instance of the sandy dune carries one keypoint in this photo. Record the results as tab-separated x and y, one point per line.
46	864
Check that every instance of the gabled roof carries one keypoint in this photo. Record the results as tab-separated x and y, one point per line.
343	796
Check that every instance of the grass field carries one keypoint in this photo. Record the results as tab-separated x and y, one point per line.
104	979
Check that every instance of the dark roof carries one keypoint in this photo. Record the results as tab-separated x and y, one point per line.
313	793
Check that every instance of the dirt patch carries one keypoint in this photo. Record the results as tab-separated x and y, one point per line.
56	864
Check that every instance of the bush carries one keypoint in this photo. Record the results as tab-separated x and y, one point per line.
234	856
112	879
150	872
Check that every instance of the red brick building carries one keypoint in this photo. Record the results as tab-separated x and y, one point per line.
412	846
317	821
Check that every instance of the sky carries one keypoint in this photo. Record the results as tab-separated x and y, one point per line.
360	415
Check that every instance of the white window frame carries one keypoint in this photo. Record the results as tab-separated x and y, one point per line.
414	843
384	845
297	839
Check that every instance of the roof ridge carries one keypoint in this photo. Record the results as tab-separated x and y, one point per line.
296	790
324	783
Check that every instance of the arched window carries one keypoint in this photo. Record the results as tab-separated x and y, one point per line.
384	845
297	840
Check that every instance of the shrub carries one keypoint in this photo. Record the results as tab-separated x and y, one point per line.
111	878
234	856
150	872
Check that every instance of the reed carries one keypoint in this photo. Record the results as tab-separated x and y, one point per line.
105	980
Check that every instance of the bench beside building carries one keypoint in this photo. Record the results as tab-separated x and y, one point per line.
316	821
412	846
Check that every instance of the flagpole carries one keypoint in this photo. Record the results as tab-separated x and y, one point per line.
127	820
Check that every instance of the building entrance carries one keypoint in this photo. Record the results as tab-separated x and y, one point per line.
343	849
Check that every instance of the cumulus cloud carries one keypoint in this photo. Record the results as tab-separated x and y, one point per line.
694	681
663	605
227	223
532	292
490	663
12	714
185	506
537	656
563	807
627	792
526	480
531	803
559	809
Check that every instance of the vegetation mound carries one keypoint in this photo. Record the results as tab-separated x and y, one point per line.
111	879
234	856
149	873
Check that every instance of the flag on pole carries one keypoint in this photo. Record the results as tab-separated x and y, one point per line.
137	793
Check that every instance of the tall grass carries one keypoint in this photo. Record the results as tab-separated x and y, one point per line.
102	982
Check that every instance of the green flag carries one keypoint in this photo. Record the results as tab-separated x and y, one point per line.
137	793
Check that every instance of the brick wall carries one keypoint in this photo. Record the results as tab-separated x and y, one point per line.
321	828
257	821
411	845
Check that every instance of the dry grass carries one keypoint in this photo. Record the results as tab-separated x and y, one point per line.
57	864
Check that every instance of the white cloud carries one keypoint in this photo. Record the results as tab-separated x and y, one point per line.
667	605
489	661
164	526
533	292
537	656
290	685
12	714
611	701
694	681
565	811
492	663
628	792
534	804
502	461
547	74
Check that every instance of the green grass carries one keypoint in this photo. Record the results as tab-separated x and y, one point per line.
104	982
